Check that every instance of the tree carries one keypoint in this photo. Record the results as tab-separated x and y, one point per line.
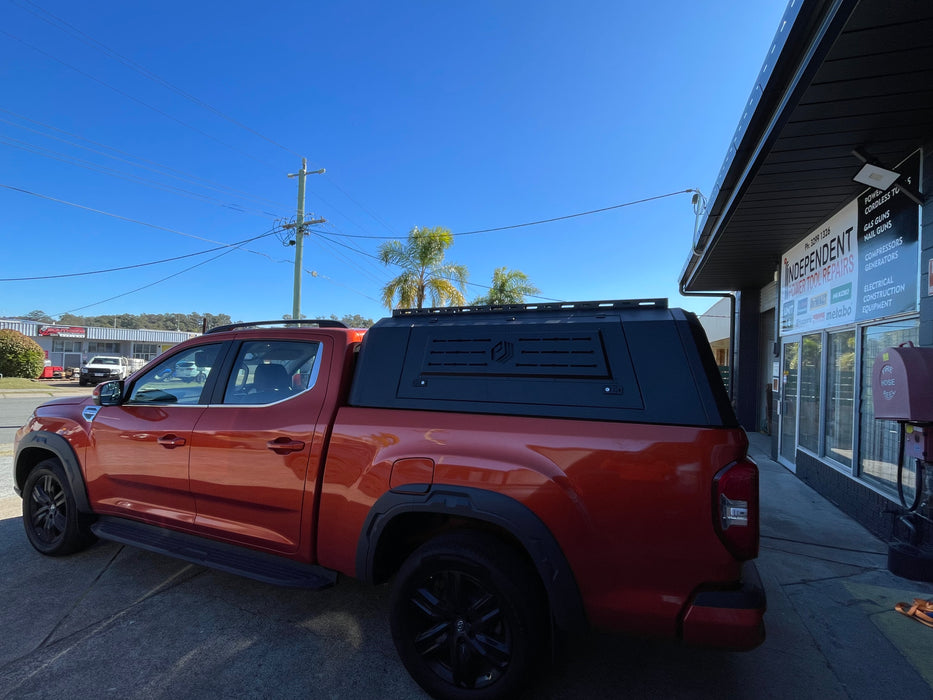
38	315
424	275
508	287
20	355
354	321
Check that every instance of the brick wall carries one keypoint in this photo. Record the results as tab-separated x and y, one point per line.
874	512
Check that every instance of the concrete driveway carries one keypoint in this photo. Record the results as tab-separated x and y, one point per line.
119	622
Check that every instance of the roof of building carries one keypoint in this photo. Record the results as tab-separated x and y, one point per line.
36	329
840	75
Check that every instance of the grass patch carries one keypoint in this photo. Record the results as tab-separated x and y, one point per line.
19	383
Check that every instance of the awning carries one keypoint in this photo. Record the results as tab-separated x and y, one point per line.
842	75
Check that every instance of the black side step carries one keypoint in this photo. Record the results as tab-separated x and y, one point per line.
216	555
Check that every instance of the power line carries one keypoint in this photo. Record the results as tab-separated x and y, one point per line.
573	216
369	255
61	24
134	160
318	275
364	209
123	218
540	221
134	99
138	265
374	273
70	29
145	286
348	261
128	177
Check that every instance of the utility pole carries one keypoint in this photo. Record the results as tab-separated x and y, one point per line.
300	233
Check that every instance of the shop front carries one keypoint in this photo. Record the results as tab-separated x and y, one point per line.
820	227
72	346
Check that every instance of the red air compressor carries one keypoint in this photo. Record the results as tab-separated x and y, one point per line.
902	390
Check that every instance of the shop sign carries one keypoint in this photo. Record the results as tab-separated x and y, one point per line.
860	265
63	331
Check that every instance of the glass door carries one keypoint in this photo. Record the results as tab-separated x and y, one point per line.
789	395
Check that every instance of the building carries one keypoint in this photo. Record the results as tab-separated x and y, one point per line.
826	272
70	346
716	321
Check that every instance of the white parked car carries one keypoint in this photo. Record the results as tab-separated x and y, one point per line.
187	369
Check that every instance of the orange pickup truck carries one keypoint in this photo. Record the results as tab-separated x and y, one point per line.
521	473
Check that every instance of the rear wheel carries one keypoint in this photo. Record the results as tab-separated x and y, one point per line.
468	618
50	517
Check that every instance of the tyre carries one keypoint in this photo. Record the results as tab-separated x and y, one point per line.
52	521
468	617
82	382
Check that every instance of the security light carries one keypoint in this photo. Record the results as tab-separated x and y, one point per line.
875	176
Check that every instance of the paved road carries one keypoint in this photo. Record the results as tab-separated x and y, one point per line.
14	412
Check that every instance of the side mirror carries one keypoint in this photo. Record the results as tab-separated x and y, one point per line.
108	393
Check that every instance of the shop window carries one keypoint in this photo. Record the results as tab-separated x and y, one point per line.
879	441
100	347
145	351
811	354
840	396
62	345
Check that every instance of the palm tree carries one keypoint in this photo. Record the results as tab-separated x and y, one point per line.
508	287
424	272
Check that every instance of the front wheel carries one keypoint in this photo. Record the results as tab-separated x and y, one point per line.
468	617
52	521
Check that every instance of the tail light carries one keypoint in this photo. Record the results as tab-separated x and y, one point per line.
735	508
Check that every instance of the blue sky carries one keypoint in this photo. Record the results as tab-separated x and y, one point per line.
470	116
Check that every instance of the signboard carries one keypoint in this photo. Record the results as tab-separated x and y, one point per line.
860	265
63	331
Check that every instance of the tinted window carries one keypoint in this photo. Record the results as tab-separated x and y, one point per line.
178	379
269	371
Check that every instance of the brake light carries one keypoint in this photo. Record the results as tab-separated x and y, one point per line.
735	508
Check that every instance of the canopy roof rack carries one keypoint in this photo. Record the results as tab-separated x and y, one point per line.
545	306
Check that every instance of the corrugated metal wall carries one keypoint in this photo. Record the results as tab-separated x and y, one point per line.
139	336
30	328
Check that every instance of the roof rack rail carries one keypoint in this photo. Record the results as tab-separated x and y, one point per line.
544	306
319	322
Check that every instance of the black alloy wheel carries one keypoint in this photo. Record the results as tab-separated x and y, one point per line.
50	517
467	618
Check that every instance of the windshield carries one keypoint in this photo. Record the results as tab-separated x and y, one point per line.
105	361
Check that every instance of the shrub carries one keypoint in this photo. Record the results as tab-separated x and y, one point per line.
20	356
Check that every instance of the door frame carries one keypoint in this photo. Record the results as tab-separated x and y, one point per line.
796	339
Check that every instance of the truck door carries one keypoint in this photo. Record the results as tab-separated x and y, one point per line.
256	450
137	456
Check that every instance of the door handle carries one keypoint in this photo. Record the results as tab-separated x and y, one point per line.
284	445
171	441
